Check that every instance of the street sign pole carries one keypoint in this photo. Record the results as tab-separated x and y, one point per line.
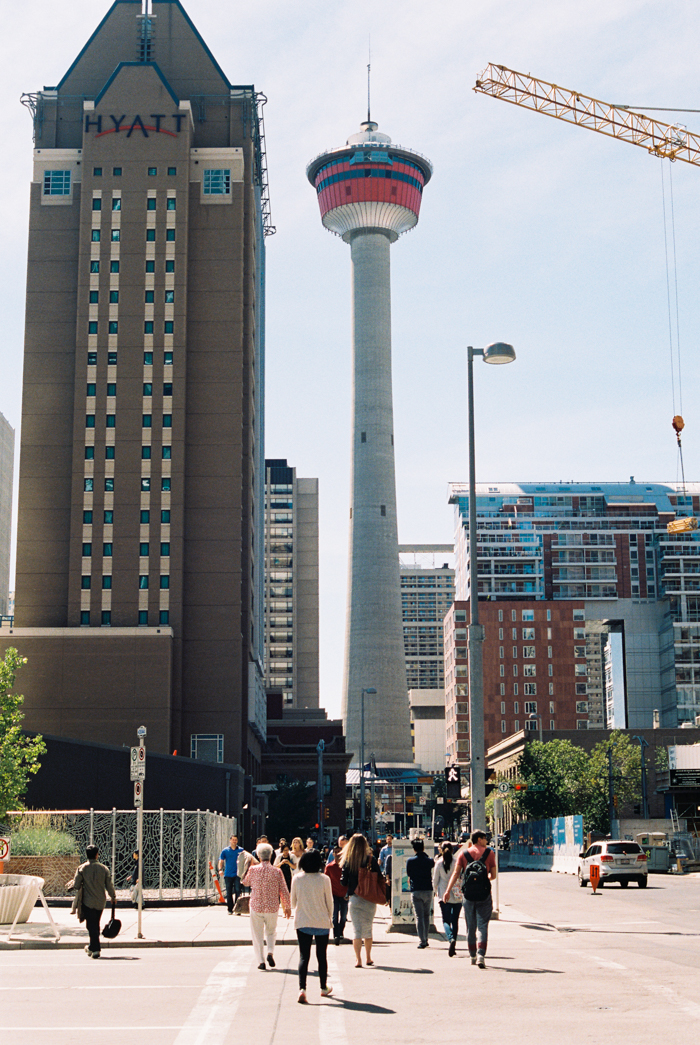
497	815
138	798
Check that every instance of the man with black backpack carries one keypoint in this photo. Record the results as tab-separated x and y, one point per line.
477	865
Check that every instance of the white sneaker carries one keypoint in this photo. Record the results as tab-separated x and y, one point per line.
326	991
480	961
302	998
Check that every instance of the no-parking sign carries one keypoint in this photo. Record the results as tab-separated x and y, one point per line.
4	849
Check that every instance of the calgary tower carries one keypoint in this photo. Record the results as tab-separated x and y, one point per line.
369	192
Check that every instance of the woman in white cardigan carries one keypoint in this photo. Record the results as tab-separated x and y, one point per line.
312	903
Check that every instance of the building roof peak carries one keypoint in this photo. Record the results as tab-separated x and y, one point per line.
369	134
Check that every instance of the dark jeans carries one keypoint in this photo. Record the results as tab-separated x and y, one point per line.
233	885
450	919
478	914
305	941
340	915
422	902
92	924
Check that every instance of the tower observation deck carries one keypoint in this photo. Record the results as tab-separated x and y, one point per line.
369	193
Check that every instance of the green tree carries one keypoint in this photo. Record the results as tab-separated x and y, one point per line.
626	775
293	810
19	755
558	766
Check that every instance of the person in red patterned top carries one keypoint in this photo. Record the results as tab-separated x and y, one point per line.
267	890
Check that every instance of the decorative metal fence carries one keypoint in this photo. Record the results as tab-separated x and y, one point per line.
177	848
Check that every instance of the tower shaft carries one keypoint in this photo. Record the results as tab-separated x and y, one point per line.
374	651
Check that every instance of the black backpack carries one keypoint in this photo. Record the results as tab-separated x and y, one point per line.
476	884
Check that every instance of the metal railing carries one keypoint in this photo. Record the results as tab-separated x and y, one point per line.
177	848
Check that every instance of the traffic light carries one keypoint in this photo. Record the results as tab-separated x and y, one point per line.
520	788
316	826
326	813
453	782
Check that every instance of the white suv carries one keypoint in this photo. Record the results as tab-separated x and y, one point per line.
619	861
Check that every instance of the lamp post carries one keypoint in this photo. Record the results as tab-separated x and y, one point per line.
367	689
537	718
499	352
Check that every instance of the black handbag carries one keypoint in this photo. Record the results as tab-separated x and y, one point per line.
111	929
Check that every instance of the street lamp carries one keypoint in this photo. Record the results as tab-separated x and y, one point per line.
372	690
537	718
499	352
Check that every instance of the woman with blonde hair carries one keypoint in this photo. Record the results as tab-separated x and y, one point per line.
296	850
358	854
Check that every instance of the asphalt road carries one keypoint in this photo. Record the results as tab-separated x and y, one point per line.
563	966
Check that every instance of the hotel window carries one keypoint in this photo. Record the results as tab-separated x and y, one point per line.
516	707
94	266
145	484
165	483
89	453
150	235
515	690
500	652
502	670
170	235
172	171
94	297
116	203
151	203
529	634
165	549
171	203
148	389
503	707
108	517
150	297
167	358
146	421
150	266
529	670
217	183
89	420
56	183
145	453
107	550
168	388
503	725
116	172
143	616
109	484
87	518
148	326
88	485
90	389
95	235
114	266
529	652
164	581
169	297
143	581
167	452
97	203
503	689
107	581
500	614
87	551
116	235
113	327
92	327
85	616
169	266
167	420
106	618
143	549
164	617
85	582
97	172
551	692
152	172
528	615
145	516
165	515
168	327
148	359
114	297
111	421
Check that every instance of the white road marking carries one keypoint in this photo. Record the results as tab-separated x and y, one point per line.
215	1009
53	1029
677	1000
606	963
331	1015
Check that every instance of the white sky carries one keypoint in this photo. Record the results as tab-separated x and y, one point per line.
531	231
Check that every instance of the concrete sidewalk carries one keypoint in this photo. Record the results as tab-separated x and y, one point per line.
205	926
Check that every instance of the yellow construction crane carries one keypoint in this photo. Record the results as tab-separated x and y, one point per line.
670	141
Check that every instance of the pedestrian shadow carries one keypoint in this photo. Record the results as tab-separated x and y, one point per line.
532	972
413	972
364	1006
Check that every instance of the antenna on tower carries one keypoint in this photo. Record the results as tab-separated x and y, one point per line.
369	71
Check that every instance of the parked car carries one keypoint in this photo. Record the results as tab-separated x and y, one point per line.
619	861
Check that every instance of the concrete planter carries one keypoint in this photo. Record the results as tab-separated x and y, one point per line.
18	894
55	870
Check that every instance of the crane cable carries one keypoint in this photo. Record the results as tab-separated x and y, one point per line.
677	423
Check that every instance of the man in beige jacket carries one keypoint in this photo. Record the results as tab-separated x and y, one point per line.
95	880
